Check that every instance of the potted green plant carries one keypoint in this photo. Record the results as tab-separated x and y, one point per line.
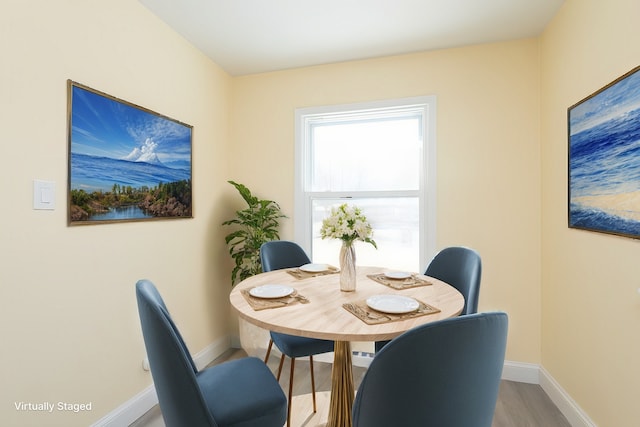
257	224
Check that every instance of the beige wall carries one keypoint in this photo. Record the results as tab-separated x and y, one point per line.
590	304
70	328
488	154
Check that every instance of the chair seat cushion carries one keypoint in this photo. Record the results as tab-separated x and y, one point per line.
243	393
294	346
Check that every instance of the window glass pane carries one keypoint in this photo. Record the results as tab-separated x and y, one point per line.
395	223
366	155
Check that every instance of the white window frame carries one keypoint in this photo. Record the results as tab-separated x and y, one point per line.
427	188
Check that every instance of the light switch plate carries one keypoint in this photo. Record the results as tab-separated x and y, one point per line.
44	194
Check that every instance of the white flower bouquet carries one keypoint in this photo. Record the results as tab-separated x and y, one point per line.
348	224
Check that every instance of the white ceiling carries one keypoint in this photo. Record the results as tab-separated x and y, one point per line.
253	36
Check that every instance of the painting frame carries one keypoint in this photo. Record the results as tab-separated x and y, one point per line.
125	162
604	159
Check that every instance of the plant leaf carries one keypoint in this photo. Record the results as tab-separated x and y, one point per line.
257	224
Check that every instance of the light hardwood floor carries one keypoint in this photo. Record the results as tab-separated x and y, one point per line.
519	404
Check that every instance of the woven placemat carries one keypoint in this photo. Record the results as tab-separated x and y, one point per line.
265	303
410	282
300	274
370	316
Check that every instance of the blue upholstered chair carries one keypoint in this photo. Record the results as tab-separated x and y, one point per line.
441	374
241	392
461	268
277	255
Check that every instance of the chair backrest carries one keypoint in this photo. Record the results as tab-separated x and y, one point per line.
279	254
172	367
461	268
445	373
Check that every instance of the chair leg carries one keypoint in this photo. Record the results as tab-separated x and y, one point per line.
266	358
313	384
293	364
280	367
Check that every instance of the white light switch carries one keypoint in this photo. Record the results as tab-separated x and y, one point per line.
44	194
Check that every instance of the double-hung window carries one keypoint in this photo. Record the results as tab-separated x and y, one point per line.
378	156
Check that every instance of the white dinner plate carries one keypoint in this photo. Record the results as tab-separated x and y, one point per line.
314	268
394	304
271	291
397	275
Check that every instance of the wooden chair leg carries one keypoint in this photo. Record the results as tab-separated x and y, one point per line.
313	384
280	367
293	364
266	358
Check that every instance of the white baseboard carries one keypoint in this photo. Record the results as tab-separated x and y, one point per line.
569	408
536	374
529	373
235	341
131	410
141	403
212	352
521	372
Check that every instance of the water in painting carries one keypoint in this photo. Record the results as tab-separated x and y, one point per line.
126	162
604	160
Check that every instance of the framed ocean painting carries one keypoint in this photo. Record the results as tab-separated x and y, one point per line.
604	159
126	163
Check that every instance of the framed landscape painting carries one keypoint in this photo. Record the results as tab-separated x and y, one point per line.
126	163
604	159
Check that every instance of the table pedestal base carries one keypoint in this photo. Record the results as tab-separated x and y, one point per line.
342	389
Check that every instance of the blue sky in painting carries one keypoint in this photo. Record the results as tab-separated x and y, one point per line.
614	101
104	127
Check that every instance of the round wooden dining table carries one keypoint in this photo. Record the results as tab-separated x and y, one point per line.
318	309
